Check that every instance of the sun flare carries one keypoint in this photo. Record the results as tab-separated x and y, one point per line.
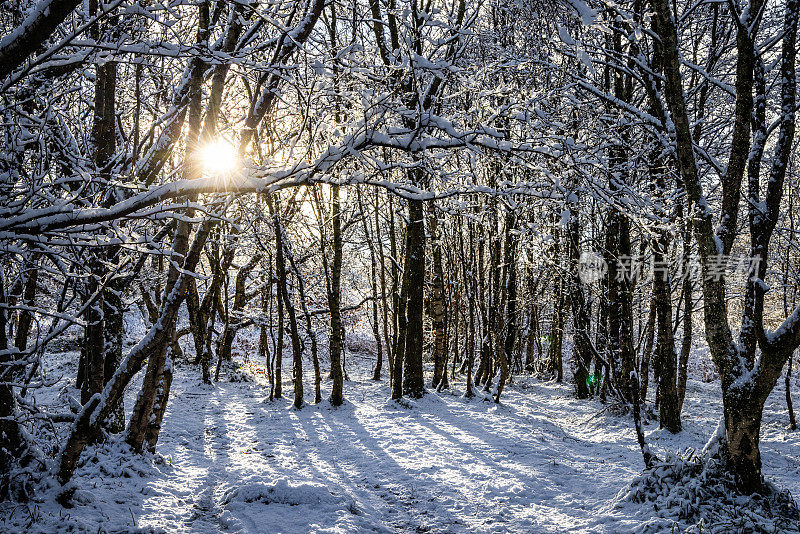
219	157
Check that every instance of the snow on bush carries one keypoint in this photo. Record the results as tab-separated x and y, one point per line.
695	494
281	492
289	508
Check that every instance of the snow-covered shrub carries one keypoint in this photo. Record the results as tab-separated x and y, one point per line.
241	374
694	493
280	492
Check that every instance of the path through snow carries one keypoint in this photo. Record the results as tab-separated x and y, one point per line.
539	462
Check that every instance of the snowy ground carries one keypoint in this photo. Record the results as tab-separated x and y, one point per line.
228	461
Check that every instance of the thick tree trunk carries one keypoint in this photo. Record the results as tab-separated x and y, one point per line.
742	431
93	344
746	382
413	381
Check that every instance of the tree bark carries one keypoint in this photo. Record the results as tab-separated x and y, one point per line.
11	443
413	381
437	301
581	352
88	421
334	302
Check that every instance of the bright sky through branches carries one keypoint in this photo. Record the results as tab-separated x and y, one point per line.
219	157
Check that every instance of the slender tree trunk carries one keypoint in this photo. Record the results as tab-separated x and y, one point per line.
281	246
263	338
581	352
647	350
334	302
309	328
510	298
400	342
376	375
396	282
669	414
279	344
239	302
437	298
688	311
788	386
196	320
384	302
11	442
28	299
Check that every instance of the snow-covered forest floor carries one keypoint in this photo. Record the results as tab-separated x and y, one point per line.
229	461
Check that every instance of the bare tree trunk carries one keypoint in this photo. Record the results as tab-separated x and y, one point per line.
555	359
334	302
28	299
745	385
384	301
414	276
647	350
88	422
376	375
669	414
787	384
400	341
581	352
688	311
509	274
283	293
437	301
485	354
152	384
309	327
197	321
263	338
279	344
396	300
114	336
10	436
239	301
